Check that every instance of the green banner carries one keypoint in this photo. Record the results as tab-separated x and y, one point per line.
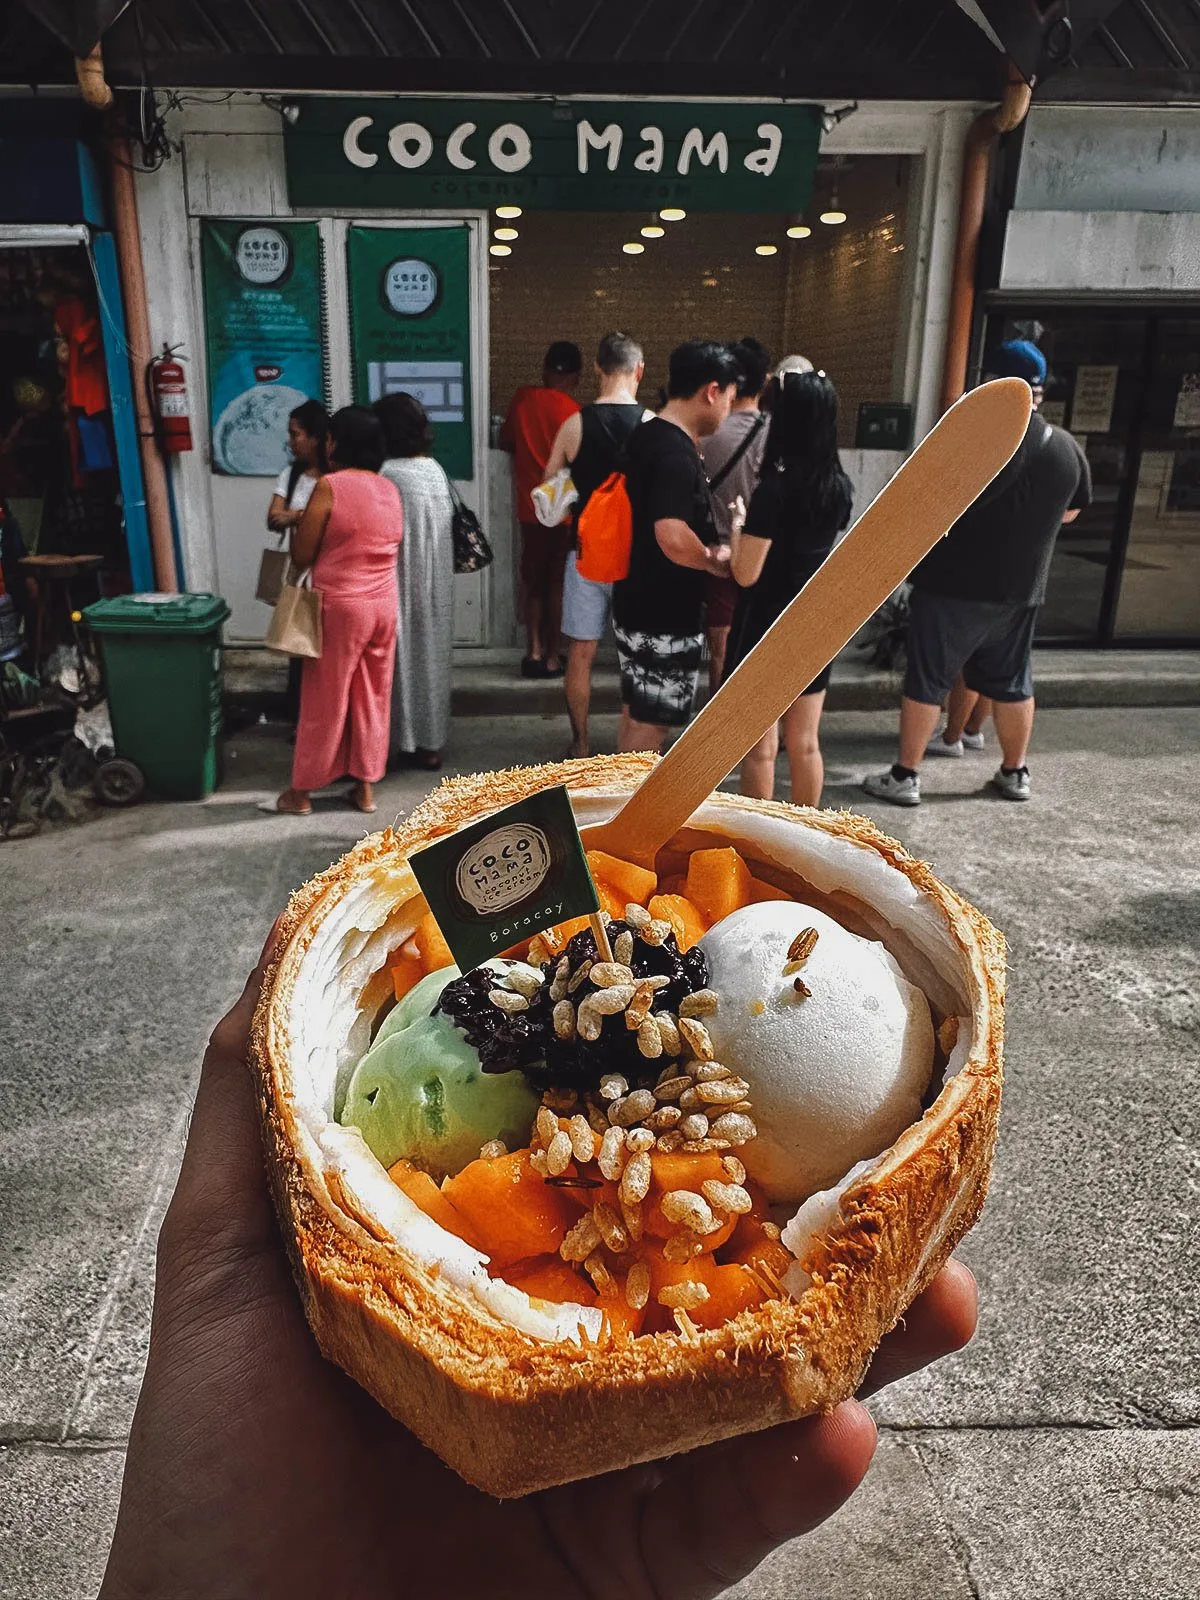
410	327
505	878
262	306
583	155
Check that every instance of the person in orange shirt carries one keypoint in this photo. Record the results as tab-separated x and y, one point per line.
535	414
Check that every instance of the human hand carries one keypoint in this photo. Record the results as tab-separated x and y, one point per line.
718	560
256	1468
737	515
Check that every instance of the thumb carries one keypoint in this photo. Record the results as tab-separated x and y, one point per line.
725	1508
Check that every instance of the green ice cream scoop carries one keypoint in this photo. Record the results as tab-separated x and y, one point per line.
420	1092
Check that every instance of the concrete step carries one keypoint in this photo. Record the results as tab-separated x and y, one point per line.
489	682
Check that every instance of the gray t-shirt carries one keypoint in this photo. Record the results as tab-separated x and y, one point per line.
719	449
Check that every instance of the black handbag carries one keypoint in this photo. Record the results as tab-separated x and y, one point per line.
472	552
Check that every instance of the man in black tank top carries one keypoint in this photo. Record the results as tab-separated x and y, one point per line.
592	444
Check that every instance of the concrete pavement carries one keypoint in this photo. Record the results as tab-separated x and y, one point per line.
1058	1456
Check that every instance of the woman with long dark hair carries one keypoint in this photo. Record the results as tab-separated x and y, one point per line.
307	431
349	535
308	428
424	639
802	503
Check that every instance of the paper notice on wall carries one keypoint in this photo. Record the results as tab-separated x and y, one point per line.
1054	411
1187	401
1092	404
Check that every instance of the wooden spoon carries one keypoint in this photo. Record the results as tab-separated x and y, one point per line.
949	469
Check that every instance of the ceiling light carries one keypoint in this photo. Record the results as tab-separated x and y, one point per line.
766	249
834	214
672	214
500	249
506	233
653	231
799	231
634	249
508	211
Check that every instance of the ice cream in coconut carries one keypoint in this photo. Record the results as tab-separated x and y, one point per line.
710	1173
834	1041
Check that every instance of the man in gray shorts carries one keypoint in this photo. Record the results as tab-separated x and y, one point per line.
592	444
976	595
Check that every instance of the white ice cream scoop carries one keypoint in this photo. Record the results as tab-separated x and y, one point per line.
834	1075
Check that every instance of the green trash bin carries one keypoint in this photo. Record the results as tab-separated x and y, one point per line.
162	669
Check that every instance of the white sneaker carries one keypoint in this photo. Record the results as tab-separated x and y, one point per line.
1012	785
937	746
973	741
897	791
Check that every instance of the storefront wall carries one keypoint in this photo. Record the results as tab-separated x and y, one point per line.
232	166
1102	263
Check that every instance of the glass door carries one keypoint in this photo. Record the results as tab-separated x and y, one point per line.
1126	383
1159	595
1094	388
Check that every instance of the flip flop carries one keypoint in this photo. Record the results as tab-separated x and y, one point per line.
274	809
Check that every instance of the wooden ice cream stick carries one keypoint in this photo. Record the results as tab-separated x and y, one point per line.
949	469
600	933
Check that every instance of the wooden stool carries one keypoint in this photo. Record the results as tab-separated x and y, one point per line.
53	575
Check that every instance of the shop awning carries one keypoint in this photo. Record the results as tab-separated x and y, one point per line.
808	49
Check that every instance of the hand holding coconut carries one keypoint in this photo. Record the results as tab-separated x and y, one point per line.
254	1466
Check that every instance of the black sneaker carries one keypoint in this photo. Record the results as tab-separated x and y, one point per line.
1012	785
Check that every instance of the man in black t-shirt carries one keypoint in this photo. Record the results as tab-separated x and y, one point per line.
658	608
976	595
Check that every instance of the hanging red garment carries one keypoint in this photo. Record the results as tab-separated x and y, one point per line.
86	379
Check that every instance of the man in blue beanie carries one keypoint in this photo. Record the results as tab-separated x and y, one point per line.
976	595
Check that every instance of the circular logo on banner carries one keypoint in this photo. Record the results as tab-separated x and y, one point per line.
504	868
411	287
263	255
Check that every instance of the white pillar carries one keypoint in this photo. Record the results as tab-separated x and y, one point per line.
938	226
172	291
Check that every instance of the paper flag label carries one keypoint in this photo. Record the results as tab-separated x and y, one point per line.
503	879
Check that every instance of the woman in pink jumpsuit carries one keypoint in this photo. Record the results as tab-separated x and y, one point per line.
349	535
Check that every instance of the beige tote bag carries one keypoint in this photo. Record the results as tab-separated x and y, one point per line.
295	626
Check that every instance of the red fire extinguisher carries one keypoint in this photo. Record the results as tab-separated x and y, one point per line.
167	383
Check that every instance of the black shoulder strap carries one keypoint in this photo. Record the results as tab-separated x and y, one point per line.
618	443
611	433
752	433
455	497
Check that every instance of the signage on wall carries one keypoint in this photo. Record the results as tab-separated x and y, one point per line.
262	306
410	327
1187	402
1093	400
411	287
582	155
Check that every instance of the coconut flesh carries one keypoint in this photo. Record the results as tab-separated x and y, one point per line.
337	996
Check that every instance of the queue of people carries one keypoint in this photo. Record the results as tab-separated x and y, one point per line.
736	494
369	513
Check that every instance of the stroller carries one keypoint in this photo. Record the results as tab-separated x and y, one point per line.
56	754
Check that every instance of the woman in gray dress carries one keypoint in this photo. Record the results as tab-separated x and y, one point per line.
421	690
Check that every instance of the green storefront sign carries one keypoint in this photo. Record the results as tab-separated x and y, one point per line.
262	307
583	155
410	327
